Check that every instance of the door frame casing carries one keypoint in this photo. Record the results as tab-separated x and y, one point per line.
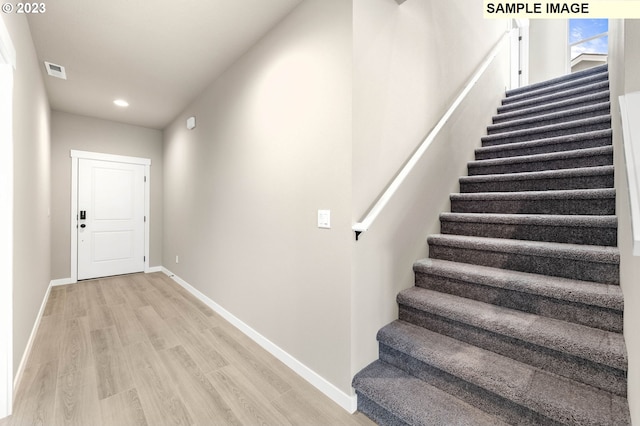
519	68
86	155
8	63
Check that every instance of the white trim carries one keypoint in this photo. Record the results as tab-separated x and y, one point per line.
73	217
524	52
514	68
153	269
7	50
32	336
408	167
62	281
147	218
348	402
87	155
519	35
6	239
629	110
7	66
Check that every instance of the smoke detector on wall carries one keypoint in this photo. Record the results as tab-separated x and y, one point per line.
55	70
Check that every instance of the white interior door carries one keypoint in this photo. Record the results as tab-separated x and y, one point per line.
111	218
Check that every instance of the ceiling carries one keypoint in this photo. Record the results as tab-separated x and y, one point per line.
158	55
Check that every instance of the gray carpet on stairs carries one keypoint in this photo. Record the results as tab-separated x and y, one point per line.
580	158
598	138
516	317
536	110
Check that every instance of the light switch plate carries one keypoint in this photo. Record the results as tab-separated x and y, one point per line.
324	218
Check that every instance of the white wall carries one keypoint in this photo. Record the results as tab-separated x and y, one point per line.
410	62
548	49
31	233
272	146
70	131
624	62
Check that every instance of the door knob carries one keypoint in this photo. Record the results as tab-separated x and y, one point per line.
83	225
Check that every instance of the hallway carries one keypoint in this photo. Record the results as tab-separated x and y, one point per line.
141	350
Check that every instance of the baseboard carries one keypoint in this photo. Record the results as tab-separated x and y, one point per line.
153	269
62	281
34	331
348	402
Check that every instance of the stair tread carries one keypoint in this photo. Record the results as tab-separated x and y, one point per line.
584	292
599	254
576	261
574	75
407	396
576	137
534	158
597	193
606	118
569	93
553	396
567	113
603	347
558	87
545	174
505	116
588	229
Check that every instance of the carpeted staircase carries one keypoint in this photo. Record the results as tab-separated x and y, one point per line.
516	316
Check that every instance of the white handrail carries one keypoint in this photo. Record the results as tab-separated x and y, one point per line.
408	167
584	40
629	110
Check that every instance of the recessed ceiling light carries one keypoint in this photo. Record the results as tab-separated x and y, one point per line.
121	103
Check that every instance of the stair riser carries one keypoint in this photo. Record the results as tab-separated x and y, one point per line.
491	130
581	370
538	166
596	236
376	413
507	151
536	134
506	410
592	316
553	98
556	88
605	206
582	182
535	111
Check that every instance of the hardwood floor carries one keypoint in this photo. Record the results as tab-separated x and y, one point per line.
141	350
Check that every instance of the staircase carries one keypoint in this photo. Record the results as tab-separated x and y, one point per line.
516	316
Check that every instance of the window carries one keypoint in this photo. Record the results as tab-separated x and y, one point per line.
588	42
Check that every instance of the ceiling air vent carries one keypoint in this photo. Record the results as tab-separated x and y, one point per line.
55	70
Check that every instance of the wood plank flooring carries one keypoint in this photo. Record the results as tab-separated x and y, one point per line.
140	350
